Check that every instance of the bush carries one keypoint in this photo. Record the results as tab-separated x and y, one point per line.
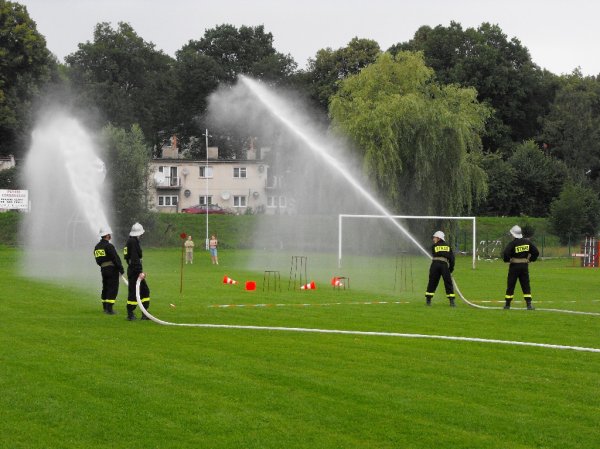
575	213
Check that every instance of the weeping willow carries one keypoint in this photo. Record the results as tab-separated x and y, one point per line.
419	141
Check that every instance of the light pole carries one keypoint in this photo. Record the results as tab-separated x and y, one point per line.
206	178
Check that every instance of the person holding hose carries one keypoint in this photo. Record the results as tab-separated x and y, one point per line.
133	256
519	253
442	265
110	267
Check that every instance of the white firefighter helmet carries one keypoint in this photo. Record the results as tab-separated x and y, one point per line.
516	232
105	230
440	235
136	230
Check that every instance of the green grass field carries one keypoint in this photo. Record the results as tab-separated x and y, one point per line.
73	377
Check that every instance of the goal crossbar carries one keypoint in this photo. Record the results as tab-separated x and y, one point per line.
407	217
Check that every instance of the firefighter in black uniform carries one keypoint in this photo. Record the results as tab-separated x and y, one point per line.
110	266
133	256
442	265
519	253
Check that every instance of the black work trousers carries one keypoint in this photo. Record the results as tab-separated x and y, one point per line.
110	282
437	270
520	272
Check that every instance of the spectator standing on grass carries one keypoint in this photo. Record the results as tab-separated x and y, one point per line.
110	267
519	252
135	271
442	265
212	247
189	250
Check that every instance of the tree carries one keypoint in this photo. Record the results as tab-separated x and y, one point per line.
127	158
126	78
501	71
196	77
571	130
419	140
247	50
503	192
9	179
26	66
330	67
538	179
575	213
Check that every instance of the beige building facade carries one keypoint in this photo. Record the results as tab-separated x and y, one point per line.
240	186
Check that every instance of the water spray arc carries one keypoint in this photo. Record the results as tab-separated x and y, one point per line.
281	113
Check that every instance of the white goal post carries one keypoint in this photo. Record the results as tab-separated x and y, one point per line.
408	217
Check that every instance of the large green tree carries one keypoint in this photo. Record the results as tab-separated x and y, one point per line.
575	213
538	179
26	66
571	130
501	70
127	157
245	50
420	141
329	67
126	79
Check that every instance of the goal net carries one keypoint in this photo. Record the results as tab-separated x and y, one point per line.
402	234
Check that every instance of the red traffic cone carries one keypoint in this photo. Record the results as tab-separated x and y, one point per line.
228	280
250	285
310	286
334	280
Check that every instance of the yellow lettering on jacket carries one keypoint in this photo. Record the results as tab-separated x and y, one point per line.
125	251
99	253
439	249
521	248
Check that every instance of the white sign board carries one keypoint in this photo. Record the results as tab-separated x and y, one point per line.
14	199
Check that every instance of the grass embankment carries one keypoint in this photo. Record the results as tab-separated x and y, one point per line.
76	378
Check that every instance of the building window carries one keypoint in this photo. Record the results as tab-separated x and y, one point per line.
203	200
276	201
170	176
239	172
239	201
167	200
206	171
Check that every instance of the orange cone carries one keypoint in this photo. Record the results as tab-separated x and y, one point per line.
228	280
250	285
310	286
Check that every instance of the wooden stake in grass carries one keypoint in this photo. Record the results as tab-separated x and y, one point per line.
183	236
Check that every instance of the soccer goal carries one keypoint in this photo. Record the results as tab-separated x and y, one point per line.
398	230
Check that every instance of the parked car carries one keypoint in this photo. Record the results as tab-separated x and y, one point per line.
201	209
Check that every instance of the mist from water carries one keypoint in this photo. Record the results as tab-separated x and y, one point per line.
65	179
323	178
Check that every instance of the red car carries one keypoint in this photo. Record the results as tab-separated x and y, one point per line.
201	209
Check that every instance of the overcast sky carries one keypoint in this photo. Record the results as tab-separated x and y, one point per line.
560	35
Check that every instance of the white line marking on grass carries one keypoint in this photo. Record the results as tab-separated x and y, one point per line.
350	332
224	306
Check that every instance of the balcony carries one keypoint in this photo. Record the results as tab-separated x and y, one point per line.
168	182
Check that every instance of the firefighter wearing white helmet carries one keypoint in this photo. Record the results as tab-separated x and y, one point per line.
110	267
442	265
135	270
519	253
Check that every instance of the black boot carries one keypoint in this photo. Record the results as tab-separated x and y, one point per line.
130	314
452	304
109	309
103	306
507	304
529	305
428	301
